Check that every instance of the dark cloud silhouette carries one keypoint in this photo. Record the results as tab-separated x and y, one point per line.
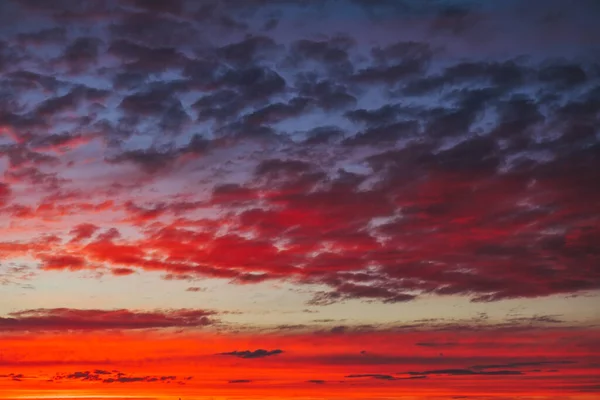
248	354
113	376
374	376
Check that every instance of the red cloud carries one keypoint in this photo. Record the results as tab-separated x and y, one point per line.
60	319
5	193
454	231
58	262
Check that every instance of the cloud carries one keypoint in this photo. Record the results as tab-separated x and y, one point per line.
559	354
433	344
374	376
376	170
60	319
461	372
48	36
5	193
83	232
174	7
113	376
248	354
150	160
195	289
521	364
82	53
247	51
15	274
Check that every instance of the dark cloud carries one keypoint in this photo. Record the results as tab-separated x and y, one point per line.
381	116
82	52
158	6
326	94
348	291
27	80
564	75
113	376
385	134
129	80
150	160
323	135
153	103
521	364
82	319
140	58
253	83
374	376
400	51
453	19
389	74
248	354
502	76
233	194
276	112
275	168
396	62
56	105
155	30
220	105
332	53
15	377
48	36
248	51
461	372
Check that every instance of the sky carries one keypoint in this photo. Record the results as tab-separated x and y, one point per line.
300	199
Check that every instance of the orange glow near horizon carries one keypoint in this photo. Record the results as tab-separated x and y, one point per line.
165	365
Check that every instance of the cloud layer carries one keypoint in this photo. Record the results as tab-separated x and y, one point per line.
63	319
382	169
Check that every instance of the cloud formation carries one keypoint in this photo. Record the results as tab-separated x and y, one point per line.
63	319
390	152
460	173
115	376
260	353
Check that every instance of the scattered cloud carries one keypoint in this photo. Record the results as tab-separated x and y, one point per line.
260	353
115	376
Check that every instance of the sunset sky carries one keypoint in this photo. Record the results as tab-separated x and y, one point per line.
300	199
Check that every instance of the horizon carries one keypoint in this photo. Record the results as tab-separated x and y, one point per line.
300	199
